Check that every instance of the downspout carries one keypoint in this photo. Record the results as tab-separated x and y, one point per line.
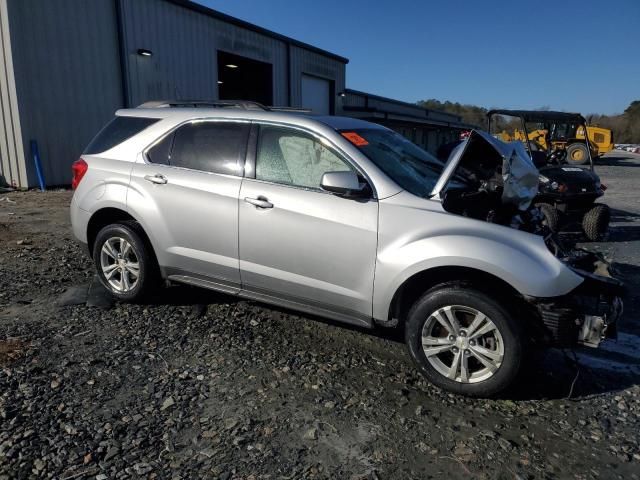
289	75
122	55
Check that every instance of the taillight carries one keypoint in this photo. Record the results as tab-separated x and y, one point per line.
79	168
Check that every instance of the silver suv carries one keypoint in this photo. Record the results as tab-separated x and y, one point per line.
337	217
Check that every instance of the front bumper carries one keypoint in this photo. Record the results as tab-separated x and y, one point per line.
586	316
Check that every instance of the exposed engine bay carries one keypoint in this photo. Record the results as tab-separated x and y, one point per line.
496	182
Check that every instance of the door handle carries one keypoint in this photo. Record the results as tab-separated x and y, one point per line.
157	179
259	202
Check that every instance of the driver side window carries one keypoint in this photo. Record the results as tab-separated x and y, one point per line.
292	157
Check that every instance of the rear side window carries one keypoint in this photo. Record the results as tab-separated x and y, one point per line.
117	131
217	147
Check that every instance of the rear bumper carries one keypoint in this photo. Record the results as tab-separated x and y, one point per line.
586	316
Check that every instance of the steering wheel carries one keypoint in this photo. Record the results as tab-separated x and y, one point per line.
557	156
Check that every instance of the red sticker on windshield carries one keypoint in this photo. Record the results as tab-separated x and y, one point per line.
354	138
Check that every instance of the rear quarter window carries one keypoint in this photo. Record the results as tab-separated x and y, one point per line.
117	131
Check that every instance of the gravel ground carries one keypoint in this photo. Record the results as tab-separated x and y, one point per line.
196	384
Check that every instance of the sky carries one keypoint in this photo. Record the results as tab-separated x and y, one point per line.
581	56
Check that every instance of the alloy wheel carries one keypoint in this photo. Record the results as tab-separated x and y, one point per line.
119	264
462	344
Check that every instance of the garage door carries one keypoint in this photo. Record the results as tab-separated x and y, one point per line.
316	94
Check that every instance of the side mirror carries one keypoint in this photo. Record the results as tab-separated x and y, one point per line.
345	184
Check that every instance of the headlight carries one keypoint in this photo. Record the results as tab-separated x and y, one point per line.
543	179
554	185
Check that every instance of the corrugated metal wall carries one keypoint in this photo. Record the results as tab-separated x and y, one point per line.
68	77
184	45
12	161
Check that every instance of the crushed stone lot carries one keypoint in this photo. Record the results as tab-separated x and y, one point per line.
200	385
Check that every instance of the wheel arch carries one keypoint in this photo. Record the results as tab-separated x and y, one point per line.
419	283
110	215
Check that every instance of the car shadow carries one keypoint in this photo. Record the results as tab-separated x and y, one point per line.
619	161
630	275
618	215
555	374
179	294
624	234
547	373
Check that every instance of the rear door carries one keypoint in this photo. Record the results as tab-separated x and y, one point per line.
298	242
186	188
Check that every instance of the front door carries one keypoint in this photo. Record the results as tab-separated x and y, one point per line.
298	242
186	189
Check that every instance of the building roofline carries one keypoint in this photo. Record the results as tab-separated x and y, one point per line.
374	115
196	7
400	102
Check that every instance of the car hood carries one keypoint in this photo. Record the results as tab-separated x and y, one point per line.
484	155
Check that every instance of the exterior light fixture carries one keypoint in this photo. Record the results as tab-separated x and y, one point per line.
231	65
342	94
220	82
144	52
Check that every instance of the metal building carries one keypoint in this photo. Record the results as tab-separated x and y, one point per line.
428	128
67	65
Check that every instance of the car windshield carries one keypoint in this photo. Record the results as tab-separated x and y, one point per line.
408	165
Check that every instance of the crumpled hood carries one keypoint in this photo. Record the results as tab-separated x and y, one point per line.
520	176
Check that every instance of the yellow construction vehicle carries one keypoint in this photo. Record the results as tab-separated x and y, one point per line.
600	137
566	137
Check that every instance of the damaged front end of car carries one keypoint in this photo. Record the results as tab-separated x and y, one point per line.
585	316
496	182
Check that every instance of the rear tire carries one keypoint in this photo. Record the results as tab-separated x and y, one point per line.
577	154
482	359
595	222
125	263
551	217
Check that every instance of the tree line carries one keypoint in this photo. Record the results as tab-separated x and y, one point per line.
625	126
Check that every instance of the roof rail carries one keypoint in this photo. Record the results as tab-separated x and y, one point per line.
289	109
241	104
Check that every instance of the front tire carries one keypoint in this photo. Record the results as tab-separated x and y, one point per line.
464	342
125	264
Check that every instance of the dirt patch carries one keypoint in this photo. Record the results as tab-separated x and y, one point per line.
10	349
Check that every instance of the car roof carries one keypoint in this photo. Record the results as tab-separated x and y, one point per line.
284	115
540	115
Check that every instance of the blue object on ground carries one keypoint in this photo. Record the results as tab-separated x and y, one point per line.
36	159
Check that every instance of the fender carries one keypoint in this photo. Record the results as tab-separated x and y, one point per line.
440	239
